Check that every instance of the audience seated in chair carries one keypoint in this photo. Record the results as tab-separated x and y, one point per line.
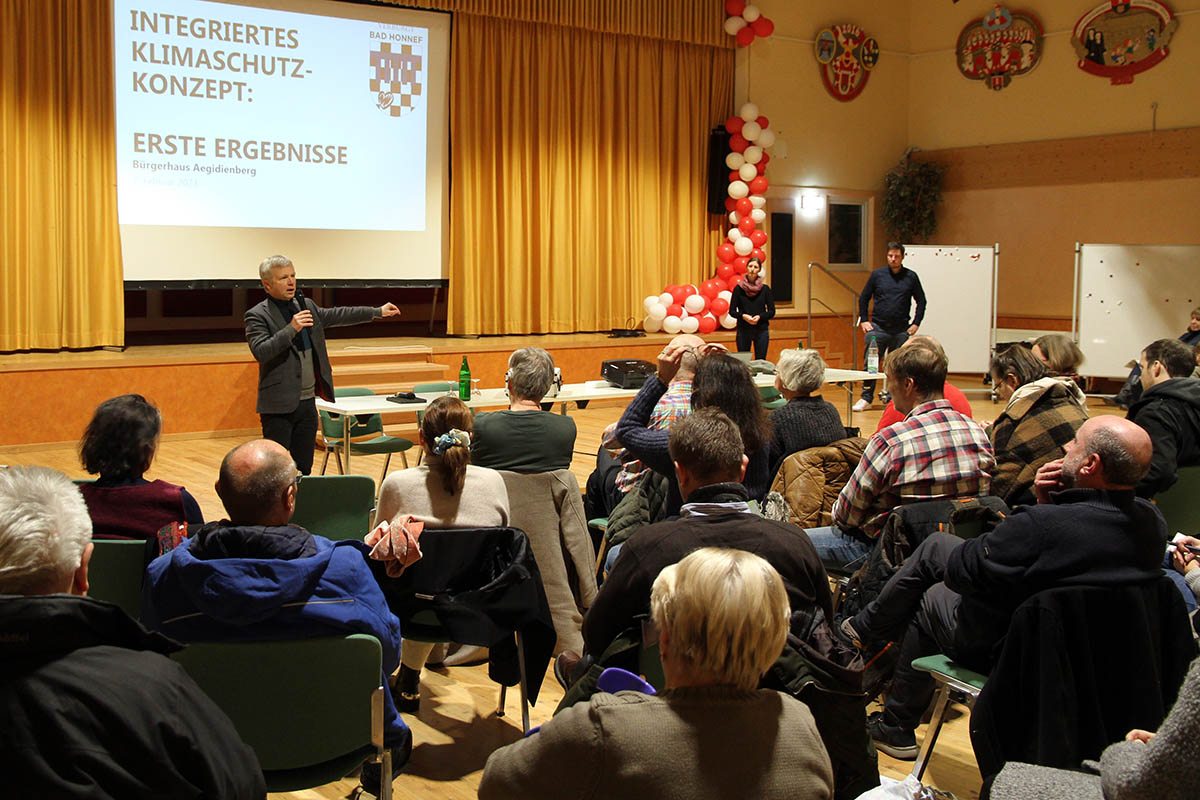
256	577
447	491
935	453
1041	416
1131	391
957	597
1060	354
805	421
722	620
1169	410
524	438
811	480
958	401
721	382
604	492
119	445
92	705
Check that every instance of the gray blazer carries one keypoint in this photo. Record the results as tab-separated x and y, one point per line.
272	343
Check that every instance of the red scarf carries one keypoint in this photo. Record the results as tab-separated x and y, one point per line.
749	288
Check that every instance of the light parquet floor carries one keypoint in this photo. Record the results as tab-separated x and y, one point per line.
457	727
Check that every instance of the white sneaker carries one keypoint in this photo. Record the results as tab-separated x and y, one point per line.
861	405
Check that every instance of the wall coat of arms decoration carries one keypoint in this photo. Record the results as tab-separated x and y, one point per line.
994	48
847	56
1120	38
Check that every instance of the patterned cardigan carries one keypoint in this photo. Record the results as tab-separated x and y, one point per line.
1035	426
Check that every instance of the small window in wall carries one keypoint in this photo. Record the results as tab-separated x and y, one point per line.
781	257
847	233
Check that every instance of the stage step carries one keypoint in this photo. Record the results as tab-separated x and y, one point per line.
362	354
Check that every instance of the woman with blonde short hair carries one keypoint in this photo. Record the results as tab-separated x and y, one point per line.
806	421
722	617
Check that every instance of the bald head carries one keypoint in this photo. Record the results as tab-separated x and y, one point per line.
256	483
1109	452
687	364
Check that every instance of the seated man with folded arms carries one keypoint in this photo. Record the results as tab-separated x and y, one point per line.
957	596
935	453
1169	410
256	577
92	706
722	620
524	438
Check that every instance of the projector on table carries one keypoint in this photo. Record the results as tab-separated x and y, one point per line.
627	373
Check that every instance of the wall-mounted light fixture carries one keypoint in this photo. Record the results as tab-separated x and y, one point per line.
810	204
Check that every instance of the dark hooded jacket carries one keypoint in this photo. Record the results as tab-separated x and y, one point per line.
1170	413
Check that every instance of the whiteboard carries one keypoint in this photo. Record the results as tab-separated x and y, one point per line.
960	288
1127	296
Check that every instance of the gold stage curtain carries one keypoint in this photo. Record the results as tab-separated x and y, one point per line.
578	173
60	257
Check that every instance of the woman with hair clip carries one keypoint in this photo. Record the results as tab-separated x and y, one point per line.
447	491
1041	415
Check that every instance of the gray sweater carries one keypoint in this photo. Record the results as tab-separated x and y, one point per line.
1164	769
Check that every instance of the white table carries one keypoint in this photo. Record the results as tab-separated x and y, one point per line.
498	398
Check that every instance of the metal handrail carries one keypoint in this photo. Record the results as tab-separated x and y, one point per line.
850	321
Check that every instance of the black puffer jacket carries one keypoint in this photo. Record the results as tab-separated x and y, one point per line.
1170	413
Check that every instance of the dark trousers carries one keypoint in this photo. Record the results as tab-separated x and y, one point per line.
916	609
296	431
886	342
748	335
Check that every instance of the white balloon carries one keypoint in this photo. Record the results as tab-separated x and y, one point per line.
666	298
658	310
690	325
753	155
734	24
672	324
758	215
683	314
748	172
725	295
751	13
751	131
695	303
734	218
728	322
652	324
649	301
749	112
733	235
758	200
734	160
766	138
738	189
743	246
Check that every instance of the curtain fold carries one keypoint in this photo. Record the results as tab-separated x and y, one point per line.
60	261
578	173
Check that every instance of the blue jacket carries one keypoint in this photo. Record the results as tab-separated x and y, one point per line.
893	299
232	583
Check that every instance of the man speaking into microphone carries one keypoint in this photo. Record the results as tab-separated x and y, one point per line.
286	333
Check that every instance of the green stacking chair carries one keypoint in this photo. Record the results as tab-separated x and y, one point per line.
1181	503
771	397
366	435
115	573
335	506
953	683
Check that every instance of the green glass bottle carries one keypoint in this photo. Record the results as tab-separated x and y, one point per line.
464	381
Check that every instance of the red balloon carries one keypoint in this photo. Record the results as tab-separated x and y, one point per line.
675	310
734	124
762	121
743	206
710	289
745	36
765	158
738	143
761	166
678	295
725	253
688	290
734	176
725	272
762	27
733	282
758	238
760	254
719	305
746	225
708	324
734	8
730	204
670	290
759	185
739	263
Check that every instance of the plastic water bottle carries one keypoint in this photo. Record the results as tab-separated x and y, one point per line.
464	381
872	357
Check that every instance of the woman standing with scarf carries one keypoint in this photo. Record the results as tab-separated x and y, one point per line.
752	306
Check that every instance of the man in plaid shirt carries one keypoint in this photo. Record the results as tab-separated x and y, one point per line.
933	454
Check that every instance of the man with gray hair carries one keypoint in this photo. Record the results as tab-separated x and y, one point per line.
957	596
257	577
525	438
286	334
806	421
92	706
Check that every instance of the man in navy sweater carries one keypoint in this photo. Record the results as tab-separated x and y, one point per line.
894	288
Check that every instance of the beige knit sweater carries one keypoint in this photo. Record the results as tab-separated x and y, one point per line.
482	503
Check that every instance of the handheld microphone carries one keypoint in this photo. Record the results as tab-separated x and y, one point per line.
298	300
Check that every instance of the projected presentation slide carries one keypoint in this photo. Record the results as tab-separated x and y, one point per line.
234	116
